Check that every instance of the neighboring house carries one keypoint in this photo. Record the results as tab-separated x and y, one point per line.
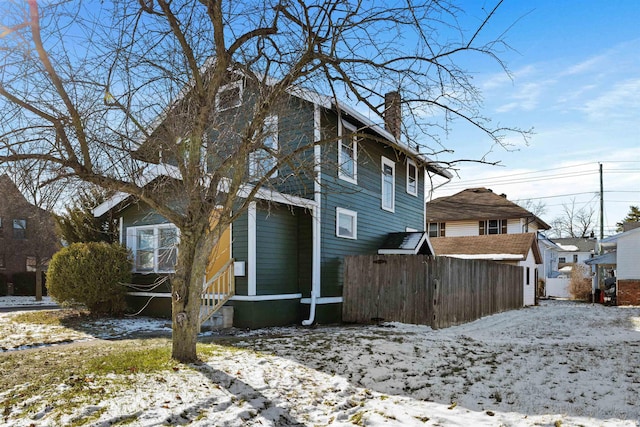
574	251
27	233
480	213
289	246
550	284
549	252
620	254
515	249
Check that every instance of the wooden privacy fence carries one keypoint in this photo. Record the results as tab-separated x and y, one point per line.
434	291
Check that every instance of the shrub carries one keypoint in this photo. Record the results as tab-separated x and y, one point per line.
90	274
580	283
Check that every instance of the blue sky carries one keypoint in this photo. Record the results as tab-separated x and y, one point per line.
576	81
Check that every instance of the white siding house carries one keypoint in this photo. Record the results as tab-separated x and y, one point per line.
479	212
628	255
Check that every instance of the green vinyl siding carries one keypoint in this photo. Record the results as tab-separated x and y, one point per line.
276	251
239	242
373	222
283	250
139	214
295	131
261	314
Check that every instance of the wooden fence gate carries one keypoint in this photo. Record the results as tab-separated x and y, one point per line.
434	291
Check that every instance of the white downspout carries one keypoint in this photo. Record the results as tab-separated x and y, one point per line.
316	229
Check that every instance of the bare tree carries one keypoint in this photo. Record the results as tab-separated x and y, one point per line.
575	221
538	208
107	93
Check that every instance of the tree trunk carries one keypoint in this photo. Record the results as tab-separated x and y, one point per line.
38	281
186	287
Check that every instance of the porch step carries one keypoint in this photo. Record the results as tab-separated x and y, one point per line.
221	319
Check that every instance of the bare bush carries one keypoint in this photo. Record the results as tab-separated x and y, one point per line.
580	283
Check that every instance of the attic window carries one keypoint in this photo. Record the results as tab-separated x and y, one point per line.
229	96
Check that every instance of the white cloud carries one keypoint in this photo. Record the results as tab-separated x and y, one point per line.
621	101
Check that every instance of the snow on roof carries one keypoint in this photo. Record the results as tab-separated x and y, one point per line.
568	248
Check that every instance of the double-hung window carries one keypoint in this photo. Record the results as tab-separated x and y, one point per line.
154	247
19	228
388	184
347	152
412	178
346	223
437	229
263	160
493	226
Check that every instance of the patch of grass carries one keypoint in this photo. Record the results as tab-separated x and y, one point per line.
50	317
131	361
33	376
215	350
357	418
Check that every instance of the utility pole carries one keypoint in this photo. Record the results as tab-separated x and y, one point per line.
601	205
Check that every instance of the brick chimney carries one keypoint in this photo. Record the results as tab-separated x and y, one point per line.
393	113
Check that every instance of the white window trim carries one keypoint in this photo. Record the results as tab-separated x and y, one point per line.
132	243
417	177
388	162
271	129
237	84
347	128
354	216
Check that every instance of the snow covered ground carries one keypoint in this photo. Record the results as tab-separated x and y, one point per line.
560	363
25	301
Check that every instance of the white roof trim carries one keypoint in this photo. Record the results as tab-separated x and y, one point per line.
149	175
276	196
396	252
167	170
109	204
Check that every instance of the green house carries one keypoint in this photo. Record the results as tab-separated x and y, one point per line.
352	196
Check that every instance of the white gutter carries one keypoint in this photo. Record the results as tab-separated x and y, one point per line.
317	229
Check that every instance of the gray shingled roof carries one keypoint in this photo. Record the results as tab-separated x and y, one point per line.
583	244
477	204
